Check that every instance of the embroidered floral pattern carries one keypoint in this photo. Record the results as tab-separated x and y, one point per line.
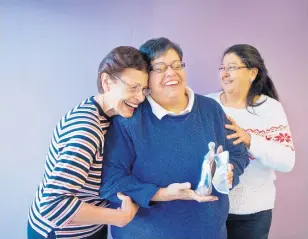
283	137
280	134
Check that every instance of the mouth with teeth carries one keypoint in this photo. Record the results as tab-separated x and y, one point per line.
226	82
131	106
171	83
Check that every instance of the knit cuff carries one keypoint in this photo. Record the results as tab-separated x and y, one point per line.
256	144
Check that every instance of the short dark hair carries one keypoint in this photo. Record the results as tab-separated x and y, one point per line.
156	47
263	84
118	60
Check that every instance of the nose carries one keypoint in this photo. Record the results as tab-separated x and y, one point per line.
140	96
224	73
170	71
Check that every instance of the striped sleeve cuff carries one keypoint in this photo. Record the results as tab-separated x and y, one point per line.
59	214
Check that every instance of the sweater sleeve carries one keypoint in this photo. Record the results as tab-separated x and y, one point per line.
59	202
238	155
119	157
274	146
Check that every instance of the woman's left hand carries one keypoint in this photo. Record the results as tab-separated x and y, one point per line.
241	135
230	175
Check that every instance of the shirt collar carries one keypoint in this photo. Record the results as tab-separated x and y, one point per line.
160	112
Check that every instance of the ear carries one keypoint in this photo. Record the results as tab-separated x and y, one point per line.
105	80
253	74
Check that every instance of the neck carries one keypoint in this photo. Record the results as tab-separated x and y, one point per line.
175	105
235	100
103	101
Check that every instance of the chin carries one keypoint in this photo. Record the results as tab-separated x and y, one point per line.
228	90
175	93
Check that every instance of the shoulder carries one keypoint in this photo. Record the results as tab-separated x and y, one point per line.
209	109
207	103
206	99
270	102
87	110
81	122
269	106
215	96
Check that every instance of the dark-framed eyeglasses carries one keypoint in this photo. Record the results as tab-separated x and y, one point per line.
231	67
134	88
161	67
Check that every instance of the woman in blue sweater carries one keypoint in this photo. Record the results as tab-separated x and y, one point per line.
156	156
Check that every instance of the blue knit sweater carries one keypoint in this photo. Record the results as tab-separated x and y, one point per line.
144	153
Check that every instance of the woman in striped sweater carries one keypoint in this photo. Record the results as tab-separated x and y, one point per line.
259	121
67	203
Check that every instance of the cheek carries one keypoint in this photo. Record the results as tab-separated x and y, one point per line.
182	75
237	78
117	95
125	95
154	82
129	96
242	79
221	75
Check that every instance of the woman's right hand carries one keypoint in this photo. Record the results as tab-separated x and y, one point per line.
128	210
180	191
183	191
241	135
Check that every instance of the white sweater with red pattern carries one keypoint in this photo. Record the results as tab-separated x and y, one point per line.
271	150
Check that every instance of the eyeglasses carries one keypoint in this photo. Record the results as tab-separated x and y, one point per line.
162	67
134	88
231	67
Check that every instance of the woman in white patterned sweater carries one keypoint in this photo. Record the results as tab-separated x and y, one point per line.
250	100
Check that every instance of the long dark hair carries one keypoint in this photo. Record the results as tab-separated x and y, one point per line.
263	84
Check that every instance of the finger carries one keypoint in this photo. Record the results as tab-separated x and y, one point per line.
233	136
238	141
123	197
120	196
207	199
230	179
220	149
199	198
231	120
230	167
231	127
229	174
126	203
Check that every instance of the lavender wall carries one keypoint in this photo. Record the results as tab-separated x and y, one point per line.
50	51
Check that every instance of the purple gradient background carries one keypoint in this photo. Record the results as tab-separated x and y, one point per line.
50	51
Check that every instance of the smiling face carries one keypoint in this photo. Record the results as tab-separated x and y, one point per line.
125	92
235	77
169	85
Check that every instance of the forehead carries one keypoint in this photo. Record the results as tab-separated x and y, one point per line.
133	76
168	57
231	58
